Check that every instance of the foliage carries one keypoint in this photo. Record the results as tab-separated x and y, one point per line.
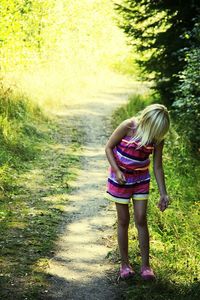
174	235
20	131
52	48
187	95
159	31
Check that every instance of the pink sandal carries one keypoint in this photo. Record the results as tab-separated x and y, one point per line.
147	273
126	272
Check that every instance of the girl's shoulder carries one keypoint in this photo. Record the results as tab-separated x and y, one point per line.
131	125
159	144
134	122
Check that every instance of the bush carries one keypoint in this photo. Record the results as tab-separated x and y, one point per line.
187	102
159	32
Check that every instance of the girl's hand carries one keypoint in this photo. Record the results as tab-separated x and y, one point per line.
120	177
163	203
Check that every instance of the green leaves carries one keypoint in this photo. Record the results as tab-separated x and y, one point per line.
160	32
187	95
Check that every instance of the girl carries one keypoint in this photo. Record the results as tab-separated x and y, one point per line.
128	151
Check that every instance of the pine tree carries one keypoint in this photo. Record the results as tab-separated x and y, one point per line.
160	32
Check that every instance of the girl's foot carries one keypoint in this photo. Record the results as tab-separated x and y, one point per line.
126	271
147	273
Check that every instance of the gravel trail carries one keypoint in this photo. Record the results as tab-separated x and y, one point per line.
79	268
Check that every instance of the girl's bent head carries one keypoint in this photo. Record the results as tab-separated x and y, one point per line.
153	124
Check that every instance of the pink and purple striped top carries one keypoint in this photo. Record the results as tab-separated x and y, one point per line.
129	157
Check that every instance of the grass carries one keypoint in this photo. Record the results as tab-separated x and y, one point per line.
38	162
174	234
21	130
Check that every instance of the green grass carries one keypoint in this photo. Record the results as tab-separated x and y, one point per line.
22	127
174	234
38	162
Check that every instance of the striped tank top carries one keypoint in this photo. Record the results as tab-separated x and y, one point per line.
131	158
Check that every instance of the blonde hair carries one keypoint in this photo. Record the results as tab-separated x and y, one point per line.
153	124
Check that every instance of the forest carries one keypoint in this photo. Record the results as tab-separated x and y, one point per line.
57	56
167	38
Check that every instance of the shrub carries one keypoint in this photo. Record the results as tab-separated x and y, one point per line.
187	95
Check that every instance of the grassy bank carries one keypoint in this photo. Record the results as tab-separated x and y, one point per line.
21	130
38	161
174	234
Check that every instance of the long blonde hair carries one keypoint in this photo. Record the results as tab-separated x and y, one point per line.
152	124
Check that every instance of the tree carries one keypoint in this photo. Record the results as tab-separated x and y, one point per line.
159	30
186	107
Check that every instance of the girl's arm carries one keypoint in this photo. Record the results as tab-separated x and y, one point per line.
115	139
160	178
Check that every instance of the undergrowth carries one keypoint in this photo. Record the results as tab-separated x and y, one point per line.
21	129
175	233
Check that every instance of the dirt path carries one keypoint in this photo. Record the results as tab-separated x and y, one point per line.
78	269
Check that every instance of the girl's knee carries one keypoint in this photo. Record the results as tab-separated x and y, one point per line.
123	222
123	215
140	220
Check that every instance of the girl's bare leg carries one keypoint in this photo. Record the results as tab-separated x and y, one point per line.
140	214
123	224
